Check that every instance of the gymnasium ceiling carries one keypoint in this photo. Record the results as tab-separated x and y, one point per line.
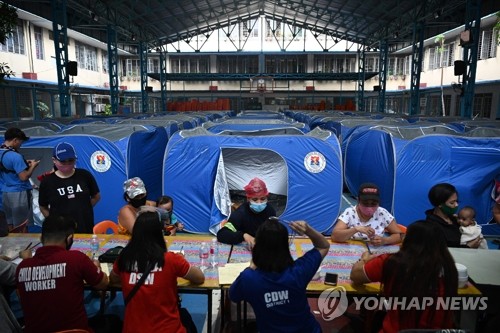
164	21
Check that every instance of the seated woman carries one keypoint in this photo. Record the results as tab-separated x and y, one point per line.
444	198
367	220
243	223
273	271
154	307
422	269
135	195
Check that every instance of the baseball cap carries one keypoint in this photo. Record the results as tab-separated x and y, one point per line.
134	187
15	133
256	188
369	191
64	151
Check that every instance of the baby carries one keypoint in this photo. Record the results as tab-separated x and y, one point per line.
469	228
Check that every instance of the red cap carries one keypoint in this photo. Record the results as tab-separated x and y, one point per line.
256	188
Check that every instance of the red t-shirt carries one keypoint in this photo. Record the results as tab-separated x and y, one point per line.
51	286
392	324
154	307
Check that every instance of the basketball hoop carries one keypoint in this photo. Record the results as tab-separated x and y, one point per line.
261	84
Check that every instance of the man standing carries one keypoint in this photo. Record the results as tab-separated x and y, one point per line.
69	190
15	172
51	283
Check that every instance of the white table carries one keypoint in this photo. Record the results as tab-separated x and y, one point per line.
483	266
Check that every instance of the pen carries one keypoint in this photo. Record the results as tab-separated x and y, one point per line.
368	247
181	251
27	247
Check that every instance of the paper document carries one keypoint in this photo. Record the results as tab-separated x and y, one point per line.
230	272
105	268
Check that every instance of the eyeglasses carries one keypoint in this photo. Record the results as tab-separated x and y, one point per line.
291	232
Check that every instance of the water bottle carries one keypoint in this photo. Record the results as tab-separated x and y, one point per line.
94	246
203	256
214	253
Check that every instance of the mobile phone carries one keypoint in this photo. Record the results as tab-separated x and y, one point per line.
331	279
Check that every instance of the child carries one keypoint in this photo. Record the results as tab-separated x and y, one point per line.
469	228
166	203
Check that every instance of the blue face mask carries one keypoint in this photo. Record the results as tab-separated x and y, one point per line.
258	207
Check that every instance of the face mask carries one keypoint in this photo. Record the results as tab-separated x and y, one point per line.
138	202
367	211
258	207
65	168
447	210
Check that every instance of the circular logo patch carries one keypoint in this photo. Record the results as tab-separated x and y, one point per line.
315	162
100	161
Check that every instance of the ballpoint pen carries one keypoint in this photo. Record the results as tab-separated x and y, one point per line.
368	247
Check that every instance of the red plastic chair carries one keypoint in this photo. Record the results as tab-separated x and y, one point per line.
103	227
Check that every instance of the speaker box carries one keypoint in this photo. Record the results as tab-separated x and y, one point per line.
459	67
376	88
72	68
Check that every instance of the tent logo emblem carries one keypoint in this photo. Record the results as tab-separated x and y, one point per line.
315	162
100	161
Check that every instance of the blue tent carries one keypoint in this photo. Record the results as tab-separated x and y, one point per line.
271	126
405	162
201	170
131	151
470	164
103	159
372	154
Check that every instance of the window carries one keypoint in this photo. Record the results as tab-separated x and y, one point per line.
273	26
39	43
86	56
438	59
133	67
286	64
371	64
15	41
238	64
190	65
250	28
104	59
432	58
407	65
482	105
153	65
448	55
487	44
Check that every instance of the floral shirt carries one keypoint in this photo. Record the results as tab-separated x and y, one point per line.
379	221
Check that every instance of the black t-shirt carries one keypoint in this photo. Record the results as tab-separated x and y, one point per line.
451	231
70	196
244	221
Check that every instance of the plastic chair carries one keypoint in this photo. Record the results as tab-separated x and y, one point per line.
402	228
103	227
22	228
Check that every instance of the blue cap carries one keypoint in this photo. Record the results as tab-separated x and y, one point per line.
64	151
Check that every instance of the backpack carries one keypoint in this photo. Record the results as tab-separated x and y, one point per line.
2	167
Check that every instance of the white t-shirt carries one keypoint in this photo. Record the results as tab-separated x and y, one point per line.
379	221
